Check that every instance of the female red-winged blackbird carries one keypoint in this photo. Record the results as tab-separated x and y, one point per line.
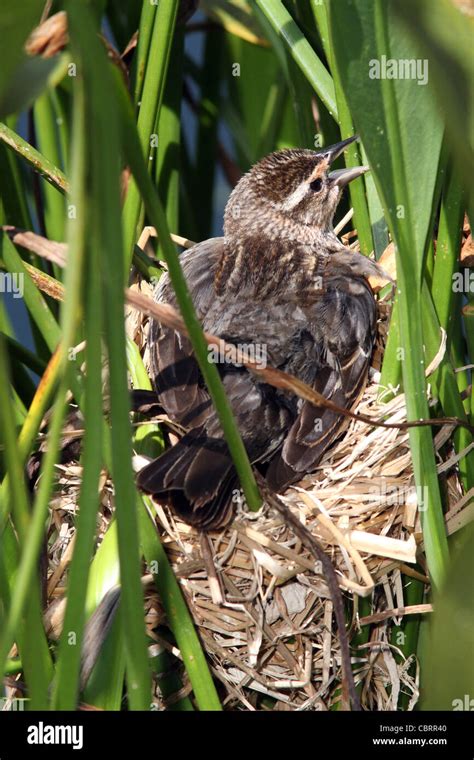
282	285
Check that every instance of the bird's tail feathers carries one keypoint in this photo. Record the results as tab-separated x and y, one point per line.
195	477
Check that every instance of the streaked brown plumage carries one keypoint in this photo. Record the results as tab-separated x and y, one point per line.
279	278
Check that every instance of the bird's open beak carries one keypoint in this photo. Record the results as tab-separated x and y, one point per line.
331	152
342	177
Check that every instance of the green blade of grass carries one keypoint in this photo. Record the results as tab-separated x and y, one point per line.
444	38
19	499
468	320
152	96
66	687
148	438
139	64
14	30
168	160
22	385
104	688
177	612
300	50
34	158
244	110
446	262
31	637
34	301
24	355
449	662
103	176
356	189
446	388
69	319
404	169
206	150
299	88
29	557
48	143
13	208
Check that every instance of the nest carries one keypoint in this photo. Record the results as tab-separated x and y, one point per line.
258	599
261	604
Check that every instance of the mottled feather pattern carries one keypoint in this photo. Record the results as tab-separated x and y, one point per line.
282	281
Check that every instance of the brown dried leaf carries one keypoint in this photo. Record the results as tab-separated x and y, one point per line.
50	37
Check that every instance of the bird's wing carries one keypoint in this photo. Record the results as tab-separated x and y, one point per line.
175	371
343	324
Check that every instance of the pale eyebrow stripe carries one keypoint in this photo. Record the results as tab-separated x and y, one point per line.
295	197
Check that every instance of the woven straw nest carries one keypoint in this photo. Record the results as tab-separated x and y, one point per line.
259	601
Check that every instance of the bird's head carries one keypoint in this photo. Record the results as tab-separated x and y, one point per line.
288	189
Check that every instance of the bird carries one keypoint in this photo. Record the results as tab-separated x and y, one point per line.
278	282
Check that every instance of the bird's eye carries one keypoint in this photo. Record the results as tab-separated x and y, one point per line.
316	185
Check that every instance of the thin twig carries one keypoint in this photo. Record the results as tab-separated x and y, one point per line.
275	377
